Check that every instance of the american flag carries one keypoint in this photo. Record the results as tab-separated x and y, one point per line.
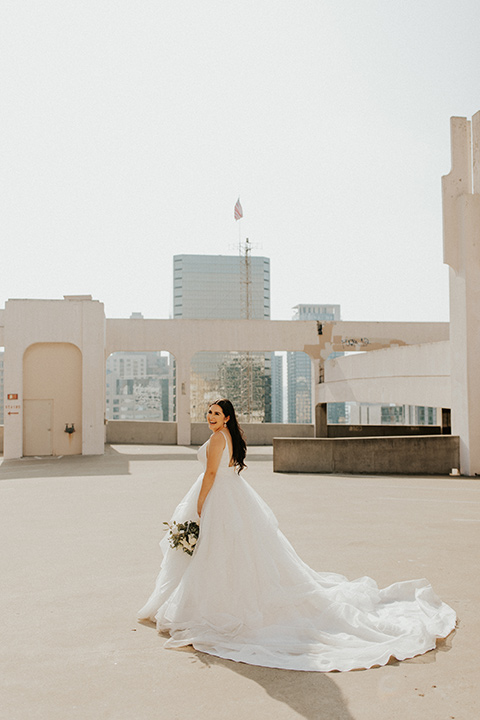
238	212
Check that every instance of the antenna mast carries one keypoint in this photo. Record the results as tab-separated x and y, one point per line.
246	359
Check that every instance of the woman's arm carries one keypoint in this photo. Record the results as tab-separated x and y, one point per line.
214	455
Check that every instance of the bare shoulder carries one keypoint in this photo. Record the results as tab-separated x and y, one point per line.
217	441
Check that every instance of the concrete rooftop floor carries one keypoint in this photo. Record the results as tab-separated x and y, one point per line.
80	554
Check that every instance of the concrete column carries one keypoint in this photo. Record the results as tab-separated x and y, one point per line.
314	377
461	227
321	427
13	409
93	381
13	382
183	369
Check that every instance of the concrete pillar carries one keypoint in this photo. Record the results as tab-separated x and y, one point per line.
321	427
93	386
183	369
13	385
461	230
314	379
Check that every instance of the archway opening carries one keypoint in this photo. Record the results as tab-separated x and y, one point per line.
140	386
52	399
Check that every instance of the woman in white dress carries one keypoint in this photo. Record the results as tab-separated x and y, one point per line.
245	595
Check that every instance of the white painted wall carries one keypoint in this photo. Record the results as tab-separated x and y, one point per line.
407	375
81	323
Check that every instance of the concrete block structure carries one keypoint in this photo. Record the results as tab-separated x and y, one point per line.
461	252
56	350
54	376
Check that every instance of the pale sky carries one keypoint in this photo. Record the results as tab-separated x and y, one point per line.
130	127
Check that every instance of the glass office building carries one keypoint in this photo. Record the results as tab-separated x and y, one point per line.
215	286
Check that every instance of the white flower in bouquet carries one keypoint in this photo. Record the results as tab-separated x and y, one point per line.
184	535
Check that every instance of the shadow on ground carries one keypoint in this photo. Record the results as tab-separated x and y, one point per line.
115	461
309	694
112	462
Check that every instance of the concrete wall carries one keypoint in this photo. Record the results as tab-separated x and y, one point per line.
1	438
80	321
184	338
406	375
138	432
76	320
256	433
424	455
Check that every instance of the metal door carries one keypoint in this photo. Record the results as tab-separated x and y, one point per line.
37	427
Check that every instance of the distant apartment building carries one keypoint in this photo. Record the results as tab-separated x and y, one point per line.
227	287
299	370
139	386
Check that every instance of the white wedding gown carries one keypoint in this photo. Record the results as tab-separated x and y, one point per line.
245	595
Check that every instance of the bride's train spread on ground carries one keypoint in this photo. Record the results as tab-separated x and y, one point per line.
245	595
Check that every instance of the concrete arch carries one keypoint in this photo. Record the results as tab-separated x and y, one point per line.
52	399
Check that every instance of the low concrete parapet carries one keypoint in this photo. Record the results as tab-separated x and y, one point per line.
406	455
141	432
257	433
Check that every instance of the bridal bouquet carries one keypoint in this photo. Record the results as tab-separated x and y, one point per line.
184	535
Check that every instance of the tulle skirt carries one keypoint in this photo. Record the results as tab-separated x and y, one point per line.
245	595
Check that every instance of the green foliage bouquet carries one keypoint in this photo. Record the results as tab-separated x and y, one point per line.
184	535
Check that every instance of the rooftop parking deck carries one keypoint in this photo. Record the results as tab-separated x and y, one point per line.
80	555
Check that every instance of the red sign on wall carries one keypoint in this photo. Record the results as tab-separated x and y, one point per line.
12	396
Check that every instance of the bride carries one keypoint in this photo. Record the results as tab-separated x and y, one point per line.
245	595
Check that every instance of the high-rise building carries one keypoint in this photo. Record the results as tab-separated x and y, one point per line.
299	370
217	286
226	287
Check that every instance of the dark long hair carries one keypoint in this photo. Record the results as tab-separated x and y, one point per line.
239	446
